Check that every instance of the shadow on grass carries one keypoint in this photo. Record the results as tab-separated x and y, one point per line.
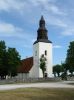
71	83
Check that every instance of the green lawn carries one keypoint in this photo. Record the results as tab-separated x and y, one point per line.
37	94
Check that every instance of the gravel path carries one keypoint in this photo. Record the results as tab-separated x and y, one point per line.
63	84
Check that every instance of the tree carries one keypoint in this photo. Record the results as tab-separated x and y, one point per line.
13	59
9	60
70	57
64	71
57	69
54	71
3	67
43	64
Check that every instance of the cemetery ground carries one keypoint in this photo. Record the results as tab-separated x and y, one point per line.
38	91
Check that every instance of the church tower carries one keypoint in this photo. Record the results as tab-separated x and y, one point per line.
42	46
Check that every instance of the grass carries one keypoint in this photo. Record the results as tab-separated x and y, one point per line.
37	94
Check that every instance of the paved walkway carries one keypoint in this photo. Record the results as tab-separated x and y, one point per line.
38	85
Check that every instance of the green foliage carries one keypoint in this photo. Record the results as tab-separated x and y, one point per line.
9	60
43	64
64	76
3	67
57	69
67	65
13	61
70	57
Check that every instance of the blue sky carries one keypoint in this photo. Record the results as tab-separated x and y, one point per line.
19	21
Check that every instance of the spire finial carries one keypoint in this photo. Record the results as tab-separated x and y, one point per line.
42	18
42	22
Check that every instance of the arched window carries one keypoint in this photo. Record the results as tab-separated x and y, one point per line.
45	52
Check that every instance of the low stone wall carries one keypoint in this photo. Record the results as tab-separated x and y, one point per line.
40	80
29	80
33	80
70	78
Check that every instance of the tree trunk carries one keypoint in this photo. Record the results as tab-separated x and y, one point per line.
58	74
43	74
54	74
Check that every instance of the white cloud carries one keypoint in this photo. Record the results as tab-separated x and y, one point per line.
21	5
57	46
55	21
37	2
7	5
56	10
50	10
7	28
68	31
10	30
47	5
15	36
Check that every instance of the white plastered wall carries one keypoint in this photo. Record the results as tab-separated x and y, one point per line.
39	49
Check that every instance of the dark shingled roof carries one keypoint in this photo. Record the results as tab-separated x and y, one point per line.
26	65
42	40
42	35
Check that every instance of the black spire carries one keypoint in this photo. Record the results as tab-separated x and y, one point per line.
42	22
42	32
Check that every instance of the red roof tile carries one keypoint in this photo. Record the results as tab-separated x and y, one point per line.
26	65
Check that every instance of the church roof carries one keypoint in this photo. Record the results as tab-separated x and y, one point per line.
26	65
42	35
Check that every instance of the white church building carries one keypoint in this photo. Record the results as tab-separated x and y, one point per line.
42	46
